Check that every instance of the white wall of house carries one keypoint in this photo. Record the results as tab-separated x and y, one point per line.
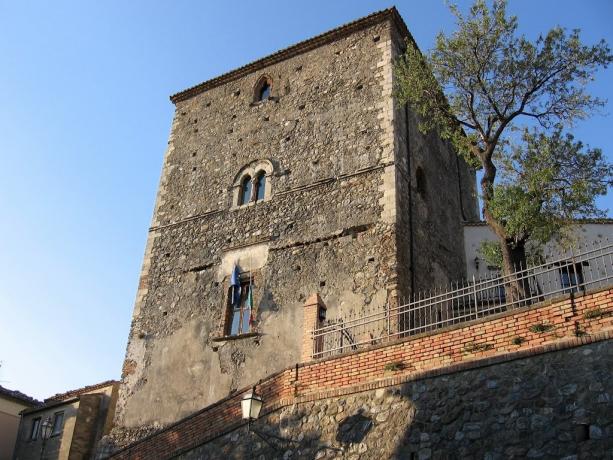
585	234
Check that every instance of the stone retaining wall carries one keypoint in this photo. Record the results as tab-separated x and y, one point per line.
554	405
570	322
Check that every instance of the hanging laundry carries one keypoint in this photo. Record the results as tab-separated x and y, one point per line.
250	304
235	284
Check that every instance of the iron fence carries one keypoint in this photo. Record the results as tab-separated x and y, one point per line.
569	272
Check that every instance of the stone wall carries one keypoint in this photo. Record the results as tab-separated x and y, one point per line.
554	405
436	194
329	223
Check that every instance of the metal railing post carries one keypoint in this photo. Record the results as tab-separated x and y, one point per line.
389	326
422	312
475	295
313	350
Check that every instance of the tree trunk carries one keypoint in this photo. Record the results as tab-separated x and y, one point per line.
516	287
516	283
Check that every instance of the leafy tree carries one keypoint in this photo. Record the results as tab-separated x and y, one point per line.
504	102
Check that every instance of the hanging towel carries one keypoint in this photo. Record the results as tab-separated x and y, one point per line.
235	283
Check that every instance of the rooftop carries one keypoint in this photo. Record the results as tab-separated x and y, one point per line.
301	47
601	220
20	397
79	391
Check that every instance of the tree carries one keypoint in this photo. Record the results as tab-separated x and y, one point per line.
544	183
504	103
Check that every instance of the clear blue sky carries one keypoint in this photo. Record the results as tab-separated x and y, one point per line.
84	121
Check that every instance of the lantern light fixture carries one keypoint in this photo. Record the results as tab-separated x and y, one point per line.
46	428
251	405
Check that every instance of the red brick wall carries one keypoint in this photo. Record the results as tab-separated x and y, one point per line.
490	336
446	350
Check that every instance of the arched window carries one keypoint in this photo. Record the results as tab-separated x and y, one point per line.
253	183
260	186
245	195
265	92
263	89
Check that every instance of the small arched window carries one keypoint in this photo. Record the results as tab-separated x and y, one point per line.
260	186
265	92
245	195
263	89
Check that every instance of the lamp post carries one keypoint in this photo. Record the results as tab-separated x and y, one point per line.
45	434
251	405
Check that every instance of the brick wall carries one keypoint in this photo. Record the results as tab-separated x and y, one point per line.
568	322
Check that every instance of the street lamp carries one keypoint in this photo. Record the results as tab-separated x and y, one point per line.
251	405
45	433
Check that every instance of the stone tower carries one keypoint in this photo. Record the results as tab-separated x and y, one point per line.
301	171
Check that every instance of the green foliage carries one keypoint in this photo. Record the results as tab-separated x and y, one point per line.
504	102
593	313
490	76
474	347
518	340
546	182
393	366
580	332
492	253
540	328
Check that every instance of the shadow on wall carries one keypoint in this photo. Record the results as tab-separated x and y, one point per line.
546	406
352	427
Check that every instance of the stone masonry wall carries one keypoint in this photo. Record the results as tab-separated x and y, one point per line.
555	405
321	230
330	223
436	193
518	334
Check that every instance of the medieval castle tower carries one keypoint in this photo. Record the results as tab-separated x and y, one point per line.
302	172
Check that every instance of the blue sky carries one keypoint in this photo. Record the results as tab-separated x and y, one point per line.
84	121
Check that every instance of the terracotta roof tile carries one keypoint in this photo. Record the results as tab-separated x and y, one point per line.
79	391
19	396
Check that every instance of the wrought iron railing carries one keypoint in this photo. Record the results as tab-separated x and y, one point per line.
469	300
